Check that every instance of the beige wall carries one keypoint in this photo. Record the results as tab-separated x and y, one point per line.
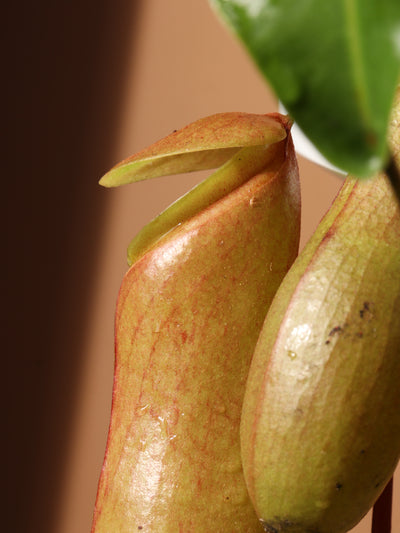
178	64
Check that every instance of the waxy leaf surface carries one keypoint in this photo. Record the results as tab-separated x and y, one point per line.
334	64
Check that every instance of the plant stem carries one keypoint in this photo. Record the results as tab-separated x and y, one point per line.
393	174
382	513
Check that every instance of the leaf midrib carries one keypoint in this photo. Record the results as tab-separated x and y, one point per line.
352	32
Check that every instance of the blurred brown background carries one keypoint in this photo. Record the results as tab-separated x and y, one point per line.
86	84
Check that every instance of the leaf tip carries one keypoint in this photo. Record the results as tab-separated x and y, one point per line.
104	181
115	176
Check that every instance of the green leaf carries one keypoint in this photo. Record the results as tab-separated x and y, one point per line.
335	66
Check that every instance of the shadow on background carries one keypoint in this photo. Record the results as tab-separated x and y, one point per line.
65	71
